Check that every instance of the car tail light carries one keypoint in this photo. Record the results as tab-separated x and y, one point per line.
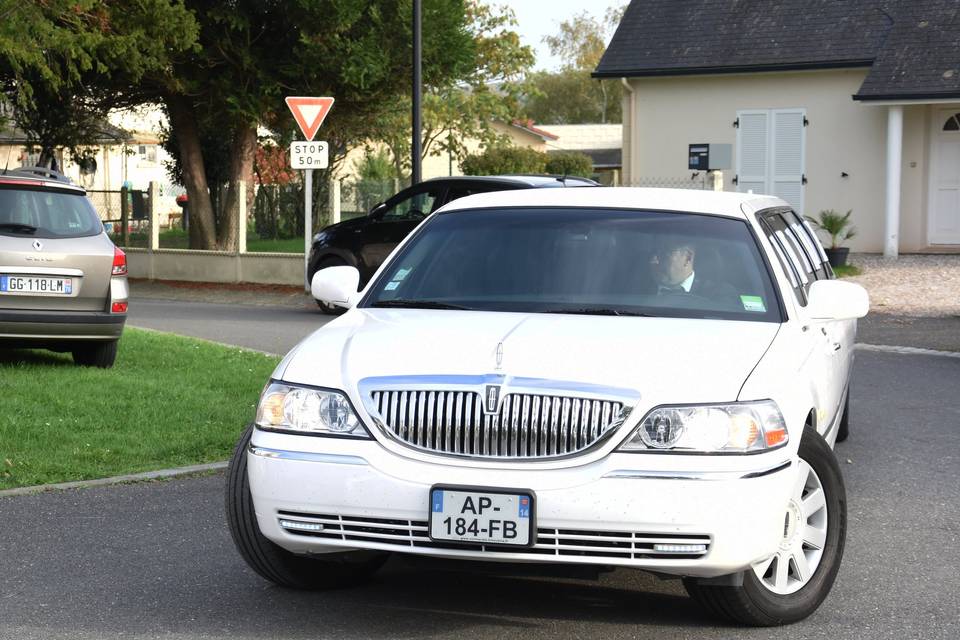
118	307
119	263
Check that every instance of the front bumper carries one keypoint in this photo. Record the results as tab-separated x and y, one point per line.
356	494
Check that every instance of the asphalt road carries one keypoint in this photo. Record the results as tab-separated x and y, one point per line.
155	560
275	329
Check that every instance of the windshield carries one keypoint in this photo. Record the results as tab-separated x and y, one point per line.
583	261
46	214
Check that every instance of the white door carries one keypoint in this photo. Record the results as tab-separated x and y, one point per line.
771	153
945	175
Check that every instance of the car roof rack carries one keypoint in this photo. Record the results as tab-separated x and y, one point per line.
41	172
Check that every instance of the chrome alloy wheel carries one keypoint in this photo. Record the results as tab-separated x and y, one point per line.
804	536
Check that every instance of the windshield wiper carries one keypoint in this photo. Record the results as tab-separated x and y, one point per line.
401	303
16	226
600	311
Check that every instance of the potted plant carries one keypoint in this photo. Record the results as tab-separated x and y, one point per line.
838	226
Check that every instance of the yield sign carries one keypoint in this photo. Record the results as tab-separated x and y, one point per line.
309	113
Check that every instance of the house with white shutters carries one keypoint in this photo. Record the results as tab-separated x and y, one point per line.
828	104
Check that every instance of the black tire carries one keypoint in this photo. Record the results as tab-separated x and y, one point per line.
754	604
95	354
329	309
843	430
276	564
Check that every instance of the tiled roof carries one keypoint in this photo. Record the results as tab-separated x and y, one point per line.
921	56
667	37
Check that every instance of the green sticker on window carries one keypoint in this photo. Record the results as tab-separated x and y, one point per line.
753	303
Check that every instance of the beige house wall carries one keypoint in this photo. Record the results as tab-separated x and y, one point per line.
844	136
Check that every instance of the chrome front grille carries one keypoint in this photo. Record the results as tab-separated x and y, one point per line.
523	425
571	543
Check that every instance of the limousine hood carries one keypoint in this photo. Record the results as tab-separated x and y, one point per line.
662	360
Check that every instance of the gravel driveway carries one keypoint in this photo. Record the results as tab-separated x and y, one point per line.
911	285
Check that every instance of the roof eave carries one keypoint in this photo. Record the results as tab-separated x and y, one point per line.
756	68
907	96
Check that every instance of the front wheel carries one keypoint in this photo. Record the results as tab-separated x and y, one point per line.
275	563
790	585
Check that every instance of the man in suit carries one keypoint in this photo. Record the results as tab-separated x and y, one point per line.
673	269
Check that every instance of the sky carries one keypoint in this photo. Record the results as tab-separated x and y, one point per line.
539	18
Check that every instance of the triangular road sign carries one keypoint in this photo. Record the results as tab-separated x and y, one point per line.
309	113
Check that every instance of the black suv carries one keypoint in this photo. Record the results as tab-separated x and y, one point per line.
366	242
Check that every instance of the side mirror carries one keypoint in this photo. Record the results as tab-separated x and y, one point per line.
377	210
336	285
837	300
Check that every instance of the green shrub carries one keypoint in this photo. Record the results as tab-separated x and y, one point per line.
497	161
570	163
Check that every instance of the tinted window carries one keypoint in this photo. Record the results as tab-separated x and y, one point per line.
585	261
415	206
46	214
797	250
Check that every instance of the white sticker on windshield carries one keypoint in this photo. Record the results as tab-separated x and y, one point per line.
401	274
391	286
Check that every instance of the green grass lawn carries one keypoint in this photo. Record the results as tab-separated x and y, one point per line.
168	402
178	239
291	245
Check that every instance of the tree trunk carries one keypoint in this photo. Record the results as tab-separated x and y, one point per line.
244	148
202	225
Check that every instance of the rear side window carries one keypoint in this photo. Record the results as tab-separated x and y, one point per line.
37	213
797	250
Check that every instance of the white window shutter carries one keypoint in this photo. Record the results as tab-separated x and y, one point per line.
787	151
753	159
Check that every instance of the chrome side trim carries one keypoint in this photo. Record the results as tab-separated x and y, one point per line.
630	474
305	456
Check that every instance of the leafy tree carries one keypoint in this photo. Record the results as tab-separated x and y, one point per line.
502	160
570	95
464	107
56	56
569	163
252	53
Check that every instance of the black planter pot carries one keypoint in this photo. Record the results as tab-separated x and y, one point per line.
838	256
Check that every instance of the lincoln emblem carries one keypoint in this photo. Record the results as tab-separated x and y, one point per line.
38	245
493	398
499	355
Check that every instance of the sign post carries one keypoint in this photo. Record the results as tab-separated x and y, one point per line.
309	112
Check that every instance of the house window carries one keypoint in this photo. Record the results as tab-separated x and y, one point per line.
953	123
147	152
771	148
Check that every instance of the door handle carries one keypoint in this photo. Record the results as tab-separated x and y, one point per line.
837	346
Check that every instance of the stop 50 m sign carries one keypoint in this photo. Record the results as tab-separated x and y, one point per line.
309	155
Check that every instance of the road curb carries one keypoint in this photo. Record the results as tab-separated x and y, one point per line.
99	482
914	351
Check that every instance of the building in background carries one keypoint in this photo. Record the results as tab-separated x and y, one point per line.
829	105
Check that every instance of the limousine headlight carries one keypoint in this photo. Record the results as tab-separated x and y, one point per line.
719	428
285	407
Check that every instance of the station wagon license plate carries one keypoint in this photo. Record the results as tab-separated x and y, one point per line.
482	516
35	286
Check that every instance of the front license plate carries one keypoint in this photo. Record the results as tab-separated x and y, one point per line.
35	286
481	516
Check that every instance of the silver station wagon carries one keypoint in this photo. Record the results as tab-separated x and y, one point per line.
63	283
